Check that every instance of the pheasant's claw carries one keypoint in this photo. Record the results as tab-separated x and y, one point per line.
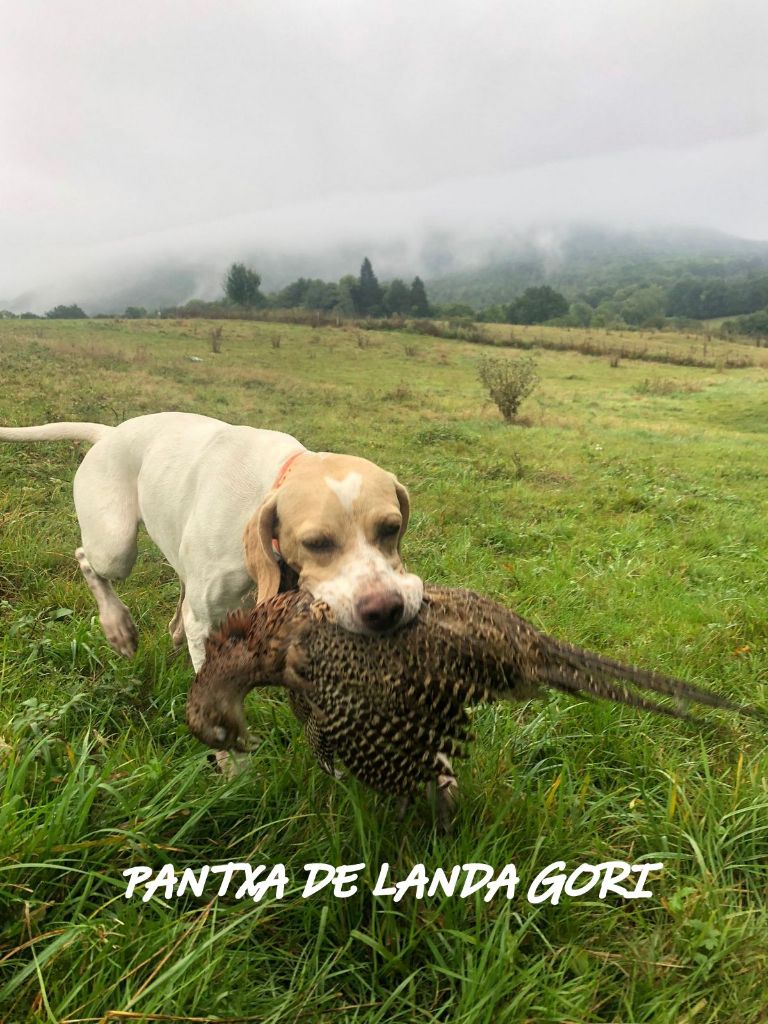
447	800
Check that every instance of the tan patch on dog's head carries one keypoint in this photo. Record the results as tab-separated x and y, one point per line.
338	520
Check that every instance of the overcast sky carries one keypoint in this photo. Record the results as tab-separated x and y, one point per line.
200	128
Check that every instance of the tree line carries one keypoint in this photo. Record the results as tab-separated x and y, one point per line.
360	296
642	305
649	306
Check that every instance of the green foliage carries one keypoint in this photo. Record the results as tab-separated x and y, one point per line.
643	307
703	298
457	310
580	314
361	296
369	298
307	293
753	326
700	277
493	314
419	302
72	312
347	305
508	381
608	314
537	305
241	286
134	312
397	298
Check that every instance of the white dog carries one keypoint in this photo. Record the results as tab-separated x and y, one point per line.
220	501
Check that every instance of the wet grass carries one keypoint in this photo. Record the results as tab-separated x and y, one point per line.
626	514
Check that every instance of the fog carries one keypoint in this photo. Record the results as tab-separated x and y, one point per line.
187	134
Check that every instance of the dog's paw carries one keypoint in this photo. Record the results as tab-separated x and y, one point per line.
120	631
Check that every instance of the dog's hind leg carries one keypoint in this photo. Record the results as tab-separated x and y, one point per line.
119	628
107	510
176	625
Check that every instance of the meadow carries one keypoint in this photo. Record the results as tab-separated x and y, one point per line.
625	513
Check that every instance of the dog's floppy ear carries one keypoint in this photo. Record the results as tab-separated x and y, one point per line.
405	508
259	557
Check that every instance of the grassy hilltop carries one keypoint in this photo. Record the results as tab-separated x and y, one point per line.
626	513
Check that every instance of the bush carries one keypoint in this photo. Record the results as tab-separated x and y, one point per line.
73	312
509	381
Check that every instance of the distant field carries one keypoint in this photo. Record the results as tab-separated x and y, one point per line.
665	347
626	513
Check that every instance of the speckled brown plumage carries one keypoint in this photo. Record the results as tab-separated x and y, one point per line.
392	708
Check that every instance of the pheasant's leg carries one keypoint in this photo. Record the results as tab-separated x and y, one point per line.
229	763
447	793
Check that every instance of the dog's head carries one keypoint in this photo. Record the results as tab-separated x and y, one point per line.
338	521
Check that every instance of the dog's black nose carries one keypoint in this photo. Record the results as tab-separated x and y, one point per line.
380	612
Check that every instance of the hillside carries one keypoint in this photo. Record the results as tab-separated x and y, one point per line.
480	272
584	259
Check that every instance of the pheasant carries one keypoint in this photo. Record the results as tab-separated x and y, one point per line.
393	708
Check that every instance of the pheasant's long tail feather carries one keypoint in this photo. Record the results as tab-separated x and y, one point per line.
581	684
653	682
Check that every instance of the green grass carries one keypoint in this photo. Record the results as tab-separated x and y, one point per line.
626	514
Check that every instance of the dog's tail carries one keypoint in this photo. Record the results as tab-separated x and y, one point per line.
90	432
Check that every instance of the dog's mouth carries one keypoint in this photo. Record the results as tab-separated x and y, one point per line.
375	609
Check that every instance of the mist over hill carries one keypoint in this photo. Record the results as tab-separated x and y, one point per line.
458	268
574	260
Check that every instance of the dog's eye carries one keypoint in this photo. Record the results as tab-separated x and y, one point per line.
319	543
388	530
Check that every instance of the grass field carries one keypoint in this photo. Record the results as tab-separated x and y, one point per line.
627	514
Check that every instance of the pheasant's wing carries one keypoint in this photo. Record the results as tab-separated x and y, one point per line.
484	642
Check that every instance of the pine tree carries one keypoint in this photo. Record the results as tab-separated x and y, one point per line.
369	298
419	303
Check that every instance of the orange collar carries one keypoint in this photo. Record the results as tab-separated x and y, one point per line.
280	478
279	481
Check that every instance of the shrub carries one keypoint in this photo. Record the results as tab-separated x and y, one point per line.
73	312
508	381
